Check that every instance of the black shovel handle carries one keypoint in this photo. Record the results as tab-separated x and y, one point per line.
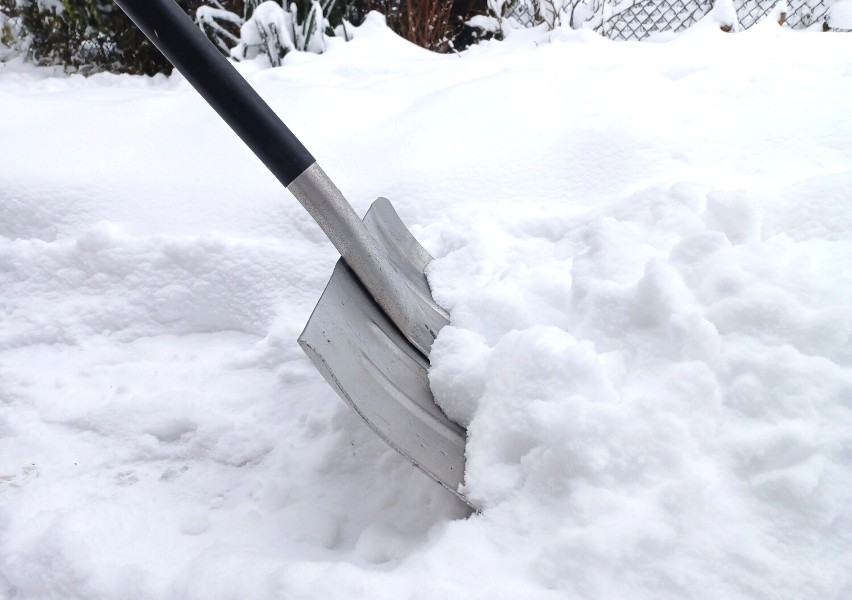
213	76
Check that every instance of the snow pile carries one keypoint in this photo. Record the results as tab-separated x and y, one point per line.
645	250
665	388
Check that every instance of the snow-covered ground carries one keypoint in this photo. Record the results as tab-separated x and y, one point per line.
647	252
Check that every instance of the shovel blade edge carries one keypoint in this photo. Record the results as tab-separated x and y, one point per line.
379	373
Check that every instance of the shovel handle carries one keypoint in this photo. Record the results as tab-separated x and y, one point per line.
209	72
212	75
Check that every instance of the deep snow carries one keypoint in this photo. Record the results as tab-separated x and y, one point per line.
646	251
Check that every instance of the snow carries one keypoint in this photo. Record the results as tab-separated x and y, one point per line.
645	248
840	15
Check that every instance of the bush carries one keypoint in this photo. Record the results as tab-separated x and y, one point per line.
88	36
504	15
272	30
439	25
85	36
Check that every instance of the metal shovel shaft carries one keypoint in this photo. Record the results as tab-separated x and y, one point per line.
416	314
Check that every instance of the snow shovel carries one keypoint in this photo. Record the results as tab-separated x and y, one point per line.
371	332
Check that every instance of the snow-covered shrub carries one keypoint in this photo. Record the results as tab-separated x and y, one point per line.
12	42
220	25
82	35
513	14
271	29
432	24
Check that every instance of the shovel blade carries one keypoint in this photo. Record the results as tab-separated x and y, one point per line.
379	373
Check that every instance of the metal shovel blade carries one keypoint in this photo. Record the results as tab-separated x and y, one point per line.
378	372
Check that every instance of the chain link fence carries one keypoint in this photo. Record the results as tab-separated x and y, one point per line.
646	17
804	13
749	13
639	19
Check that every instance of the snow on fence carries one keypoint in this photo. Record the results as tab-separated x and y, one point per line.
637	19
